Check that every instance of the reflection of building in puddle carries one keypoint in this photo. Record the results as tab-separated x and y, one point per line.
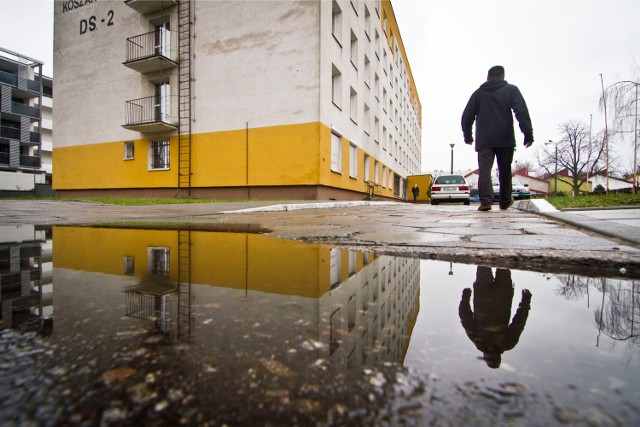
26	287
349	307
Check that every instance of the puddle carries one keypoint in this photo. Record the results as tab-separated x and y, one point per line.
161	326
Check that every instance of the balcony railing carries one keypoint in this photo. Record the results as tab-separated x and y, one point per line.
152	51
12	80
151	114
30	161
9	133
25	110
4	158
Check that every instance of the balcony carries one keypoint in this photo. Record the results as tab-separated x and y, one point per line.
30	161
9	133
154	51
4	158
148	6
12	80
150	114
24	110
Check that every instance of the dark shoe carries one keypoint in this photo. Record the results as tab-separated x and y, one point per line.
508	205
484	208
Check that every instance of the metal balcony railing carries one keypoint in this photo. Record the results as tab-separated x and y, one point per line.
151	109
155	43
12	80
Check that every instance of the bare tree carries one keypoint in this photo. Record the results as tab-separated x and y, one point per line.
574	153
622	98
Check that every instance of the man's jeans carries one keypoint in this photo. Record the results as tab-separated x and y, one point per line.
504	156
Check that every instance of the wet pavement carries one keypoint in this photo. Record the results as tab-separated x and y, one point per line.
535	236
316	314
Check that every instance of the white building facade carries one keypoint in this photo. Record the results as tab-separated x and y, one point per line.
252	99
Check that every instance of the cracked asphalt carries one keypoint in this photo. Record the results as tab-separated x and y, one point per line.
531	235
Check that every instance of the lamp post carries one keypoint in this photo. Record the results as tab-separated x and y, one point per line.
555	185
452	158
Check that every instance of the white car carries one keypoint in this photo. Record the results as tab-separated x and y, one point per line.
450	188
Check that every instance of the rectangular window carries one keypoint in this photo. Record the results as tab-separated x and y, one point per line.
129	265
384	176
367	71
353	161
129	150
159	155
354	50
336	153
375	172
335	264
367	168
336	87
353	98
376	130
367	22
366	119
336	22
158	261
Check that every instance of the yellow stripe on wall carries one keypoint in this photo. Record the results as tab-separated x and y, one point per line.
277	156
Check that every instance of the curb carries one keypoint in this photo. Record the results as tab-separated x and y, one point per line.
622	232
301	206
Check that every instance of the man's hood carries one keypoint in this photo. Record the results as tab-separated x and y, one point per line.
493	84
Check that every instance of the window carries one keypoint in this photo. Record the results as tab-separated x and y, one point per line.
354	105
159	155
334	267
353	161
162	104
129	150
376	87
367	71
336	22
367	22
366	119
336	152
367	168
376	130
336	87
158	261
384	176
354	50
129	265
375	172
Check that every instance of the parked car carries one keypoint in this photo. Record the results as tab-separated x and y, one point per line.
519	191
450	188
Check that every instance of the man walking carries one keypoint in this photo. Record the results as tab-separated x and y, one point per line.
490	107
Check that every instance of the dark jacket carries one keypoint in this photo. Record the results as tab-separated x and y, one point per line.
490	107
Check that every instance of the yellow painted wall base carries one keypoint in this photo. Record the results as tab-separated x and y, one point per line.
267	162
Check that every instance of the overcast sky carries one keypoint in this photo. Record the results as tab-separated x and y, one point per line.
553	50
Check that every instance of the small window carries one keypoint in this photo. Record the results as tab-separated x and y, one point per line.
129	150
354	50
336	22
336	87
336	152
353	161
159	155
353	97
129	265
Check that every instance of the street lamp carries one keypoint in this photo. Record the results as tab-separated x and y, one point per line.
452	158
555	185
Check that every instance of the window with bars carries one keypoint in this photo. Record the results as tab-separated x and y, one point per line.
159	155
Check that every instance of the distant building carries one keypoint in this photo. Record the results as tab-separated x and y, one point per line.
25	124
303	99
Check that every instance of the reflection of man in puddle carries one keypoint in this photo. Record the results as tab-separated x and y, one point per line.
489	327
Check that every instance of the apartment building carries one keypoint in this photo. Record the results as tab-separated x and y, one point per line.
233	99
25	125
